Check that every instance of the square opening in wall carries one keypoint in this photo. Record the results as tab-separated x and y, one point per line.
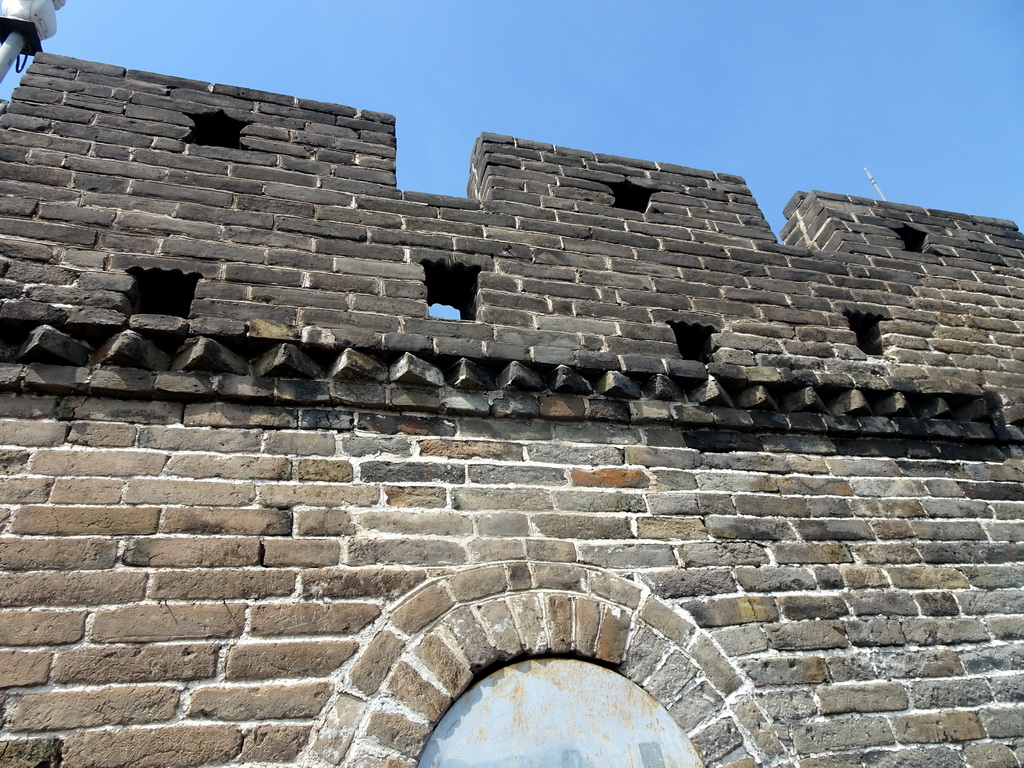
693	339
165	291
217	130
630	196
451	289
913	239
869	334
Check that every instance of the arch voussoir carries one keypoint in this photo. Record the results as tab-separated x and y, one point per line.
451	631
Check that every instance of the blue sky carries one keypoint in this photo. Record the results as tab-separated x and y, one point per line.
793	94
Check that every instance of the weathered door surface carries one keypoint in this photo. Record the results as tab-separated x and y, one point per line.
558	713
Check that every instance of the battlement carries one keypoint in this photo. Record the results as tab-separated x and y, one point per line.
258	506
127	228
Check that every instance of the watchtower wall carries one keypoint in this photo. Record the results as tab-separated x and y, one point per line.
259	507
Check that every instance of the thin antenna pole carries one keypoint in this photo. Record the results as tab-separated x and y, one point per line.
875	185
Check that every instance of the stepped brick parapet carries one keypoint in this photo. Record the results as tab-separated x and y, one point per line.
259	507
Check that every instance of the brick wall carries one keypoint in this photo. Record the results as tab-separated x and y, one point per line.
293	525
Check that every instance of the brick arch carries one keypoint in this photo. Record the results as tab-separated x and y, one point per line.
449	632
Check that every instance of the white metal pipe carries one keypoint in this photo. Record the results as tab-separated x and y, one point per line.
878	189
13	45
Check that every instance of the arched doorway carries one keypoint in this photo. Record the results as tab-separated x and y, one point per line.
558	713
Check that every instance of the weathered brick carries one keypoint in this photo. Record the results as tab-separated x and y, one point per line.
230	467
274	743
312	619
927	578
115	463
231	521
405	551
24	669
610	478
99	435
30	753
300	443
136	664
102	409
726	611
812	553
317	495
569	526
424	607
179	746
471	449
450	669
264	661
177	438
842	735
323	470
870	697
807	635
175	552
938	728
671	528
415	496
85	521
410	687
25	628
33	433
229	584
806	607
24	490
71	490
792	670
79	554
129	705
188	492
359	582
425	472
376	661
398	732
270	701
323	522
501	499
223	415
83	588
711	554
303	553
156	623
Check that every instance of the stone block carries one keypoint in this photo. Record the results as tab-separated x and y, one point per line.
135	664
180	746
274	743
67	710
298	619
22	669
268	701
30	753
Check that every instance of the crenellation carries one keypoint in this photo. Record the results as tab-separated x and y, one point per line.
258	505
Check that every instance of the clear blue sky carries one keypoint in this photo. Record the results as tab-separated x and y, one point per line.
794	94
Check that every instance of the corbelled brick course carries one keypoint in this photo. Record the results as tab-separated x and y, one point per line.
778	485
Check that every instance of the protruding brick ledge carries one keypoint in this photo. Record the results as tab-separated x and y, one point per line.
730	409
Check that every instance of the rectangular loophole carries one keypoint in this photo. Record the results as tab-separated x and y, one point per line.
869	333
913	239
165	291
451	289
217	130
693	339
629	196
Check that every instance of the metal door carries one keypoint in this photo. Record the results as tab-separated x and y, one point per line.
558	713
